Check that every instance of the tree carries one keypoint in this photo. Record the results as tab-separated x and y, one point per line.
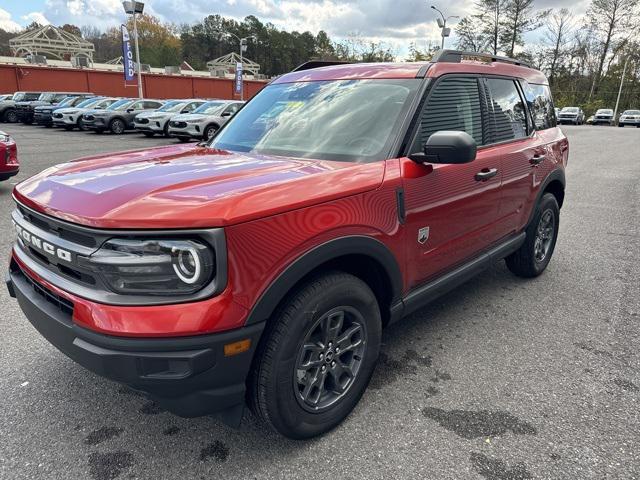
470	35
608	19
519	18
490	19
557	37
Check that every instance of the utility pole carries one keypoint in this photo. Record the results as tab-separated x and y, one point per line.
624	71
442	23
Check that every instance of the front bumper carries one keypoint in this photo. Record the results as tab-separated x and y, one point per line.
97	123
153	126
629	121
192	130
42	118
603	120
189	376
66	120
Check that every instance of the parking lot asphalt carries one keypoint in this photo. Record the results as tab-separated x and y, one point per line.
502	379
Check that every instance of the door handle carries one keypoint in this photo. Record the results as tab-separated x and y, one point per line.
485	174
537	159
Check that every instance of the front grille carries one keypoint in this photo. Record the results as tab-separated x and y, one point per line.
142	121
178	124
57	228
61	303
57	115
89	117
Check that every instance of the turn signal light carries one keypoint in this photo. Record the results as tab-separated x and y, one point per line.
235	348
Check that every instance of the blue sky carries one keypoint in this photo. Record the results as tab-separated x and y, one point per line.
395	22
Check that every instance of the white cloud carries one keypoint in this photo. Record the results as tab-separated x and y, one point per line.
37	17
6	23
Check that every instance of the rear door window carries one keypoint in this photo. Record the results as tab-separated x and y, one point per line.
507	110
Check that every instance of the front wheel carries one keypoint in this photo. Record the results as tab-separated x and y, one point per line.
317	356
209	132
117	126
531	259
10	116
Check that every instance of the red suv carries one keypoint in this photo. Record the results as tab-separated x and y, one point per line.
261	267
9	165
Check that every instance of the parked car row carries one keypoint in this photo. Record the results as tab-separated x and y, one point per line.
603	116
185	119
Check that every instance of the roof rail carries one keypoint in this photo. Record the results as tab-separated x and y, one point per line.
317	64
455	56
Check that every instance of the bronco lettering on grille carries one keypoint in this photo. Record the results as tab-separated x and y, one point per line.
36	242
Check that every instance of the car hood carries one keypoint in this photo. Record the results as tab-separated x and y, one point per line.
72	109
183	186
183	117
155	114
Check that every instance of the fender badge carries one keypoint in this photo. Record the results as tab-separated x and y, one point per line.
423	235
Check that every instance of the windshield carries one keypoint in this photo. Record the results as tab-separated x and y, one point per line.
344	120
120	104
209	108
172	106
570	109
631	112
46	97
88	102
606	111
22	96
67	101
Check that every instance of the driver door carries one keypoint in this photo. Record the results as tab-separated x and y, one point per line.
451	210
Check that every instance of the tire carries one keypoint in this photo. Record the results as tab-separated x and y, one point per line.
148	134
10	116
532	258
277	383
209	132
117	126
165	130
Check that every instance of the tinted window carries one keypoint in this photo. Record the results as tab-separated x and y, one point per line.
454	104
540	105
149	105
509	113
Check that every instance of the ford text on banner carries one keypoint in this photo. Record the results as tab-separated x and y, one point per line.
127	56
239	77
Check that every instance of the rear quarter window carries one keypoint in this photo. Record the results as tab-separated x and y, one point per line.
540	105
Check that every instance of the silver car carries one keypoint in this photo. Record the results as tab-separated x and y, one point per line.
204	122
629	117
71	117
603	116
118	117
157	121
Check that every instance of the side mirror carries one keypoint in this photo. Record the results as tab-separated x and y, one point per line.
226	114
129	110
447	147
185	110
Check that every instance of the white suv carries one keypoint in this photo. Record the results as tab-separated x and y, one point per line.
157	121
71	117
629	117
204	122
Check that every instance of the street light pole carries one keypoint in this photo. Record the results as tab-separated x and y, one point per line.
135	33
624	71
442	23
243	46
133	8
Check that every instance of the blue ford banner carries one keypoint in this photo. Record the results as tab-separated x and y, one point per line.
127	56
239	77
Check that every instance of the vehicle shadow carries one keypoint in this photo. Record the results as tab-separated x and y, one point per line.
97	408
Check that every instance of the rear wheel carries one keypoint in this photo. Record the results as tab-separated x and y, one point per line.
531	259
317	356
117	126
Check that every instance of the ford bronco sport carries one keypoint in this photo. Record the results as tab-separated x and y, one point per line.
262	266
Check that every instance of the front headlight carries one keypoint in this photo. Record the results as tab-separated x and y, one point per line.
71	112
4	137
154	267
193	121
